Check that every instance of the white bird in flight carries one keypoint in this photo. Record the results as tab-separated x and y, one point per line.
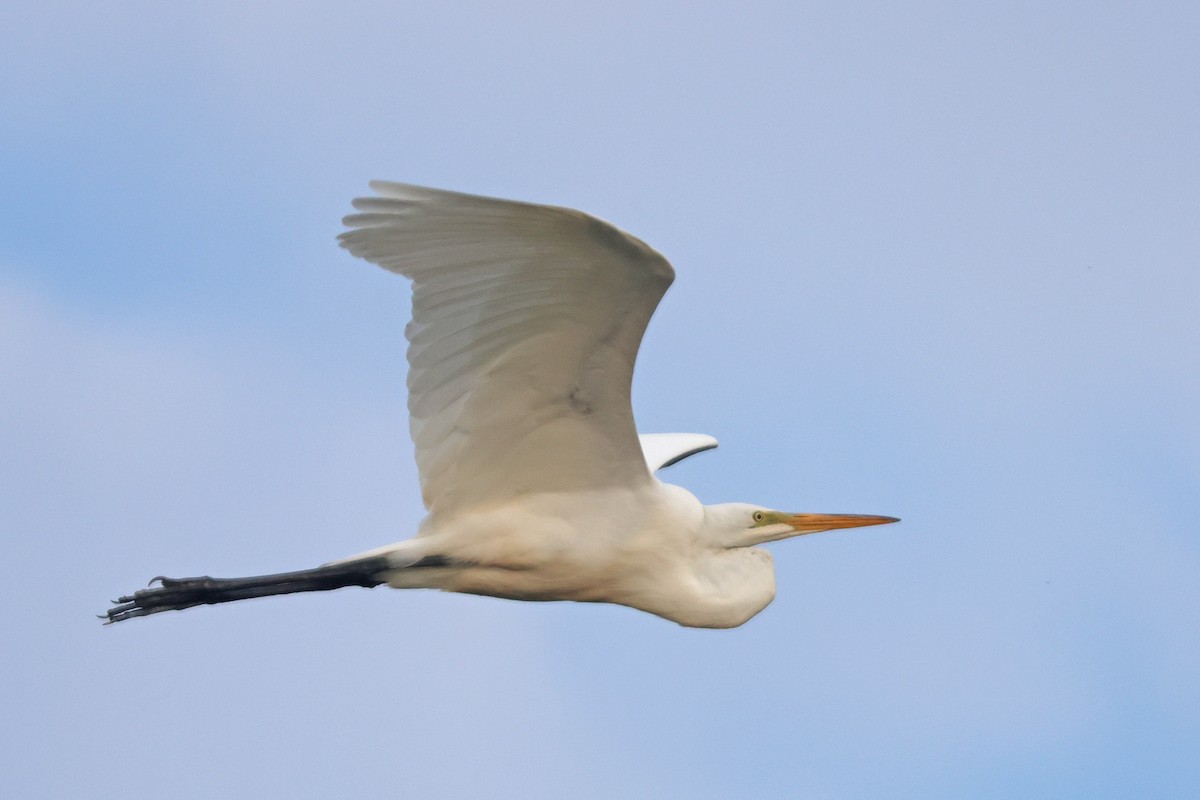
525	326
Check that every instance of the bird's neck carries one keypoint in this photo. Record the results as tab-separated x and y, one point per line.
720	589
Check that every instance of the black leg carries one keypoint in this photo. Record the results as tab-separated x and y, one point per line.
178	593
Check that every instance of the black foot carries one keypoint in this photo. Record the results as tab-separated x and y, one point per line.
172	594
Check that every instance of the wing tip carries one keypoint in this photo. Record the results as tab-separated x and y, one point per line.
661	450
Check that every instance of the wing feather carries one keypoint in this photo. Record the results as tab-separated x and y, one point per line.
664	449
525	327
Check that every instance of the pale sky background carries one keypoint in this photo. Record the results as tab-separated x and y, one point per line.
936	261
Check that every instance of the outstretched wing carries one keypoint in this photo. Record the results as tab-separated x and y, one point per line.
525	328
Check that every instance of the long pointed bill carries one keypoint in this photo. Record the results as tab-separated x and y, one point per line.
777	525
815	523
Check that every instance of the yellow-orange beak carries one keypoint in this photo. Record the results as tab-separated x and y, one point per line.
815	523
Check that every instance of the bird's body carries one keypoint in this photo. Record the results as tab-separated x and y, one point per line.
645	548
526	324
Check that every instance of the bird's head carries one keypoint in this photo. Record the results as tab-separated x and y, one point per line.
744	525
732	580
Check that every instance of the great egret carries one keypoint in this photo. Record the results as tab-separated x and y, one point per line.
525	325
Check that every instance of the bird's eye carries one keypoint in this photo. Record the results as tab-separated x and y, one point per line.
759	516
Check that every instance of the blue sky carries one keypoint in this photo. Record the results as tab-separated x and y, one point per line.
938	262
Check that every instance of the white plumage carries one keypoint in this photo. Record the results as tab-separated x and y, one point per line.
526	324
